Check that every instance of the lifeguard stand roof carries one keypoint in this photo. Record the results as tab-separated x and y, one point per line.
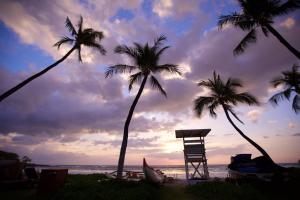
192	133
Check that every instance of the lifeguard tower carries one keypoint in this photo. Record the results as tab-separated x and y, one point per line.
194	152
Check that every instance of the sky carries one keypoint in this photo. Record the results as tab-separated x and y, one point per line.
73	115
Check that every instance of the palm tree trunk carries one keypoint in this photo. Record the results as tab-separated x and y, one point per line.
261	150
283	41
125	134
25	82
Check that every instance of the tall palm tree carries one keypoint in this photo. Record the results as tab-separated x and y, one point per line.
259	13
225	94
290	80
87	37
145	65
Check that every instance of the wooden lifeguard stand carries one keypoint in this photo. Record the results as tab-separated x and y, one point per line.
194	152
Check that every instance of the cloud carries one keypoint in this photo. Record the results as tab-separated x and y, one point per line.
288	23
166	8
178	155
87	103
214	52
296	134
217	151
291	125
253	115
133	143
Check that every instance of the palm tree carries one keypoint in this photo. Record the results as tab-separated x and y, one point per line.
87	37
259	13
290	80
146	65
226	95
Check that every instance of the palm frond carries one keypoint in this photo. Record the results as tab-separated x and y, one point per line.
249	38
79	53
123	49
235	115
158	41
246	97
287	7
246	24
202	102
97	46
265	31
280	96
277	81
169	68
63	40
135	78
296	104
120	68
156	85
139	48
212	107
232	18
233	82
206	84
158	54
242	3
99	35
70	26
80	22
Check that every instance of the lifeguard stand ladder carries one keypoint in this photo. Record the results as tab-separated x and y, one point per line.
194	152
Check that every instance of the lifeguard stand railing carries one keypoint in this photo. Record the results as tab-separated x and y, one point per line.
194	152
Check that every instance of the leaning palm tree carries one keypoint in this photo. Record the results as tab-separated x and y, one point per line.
290	80
145	65
259	13
226	95
87	37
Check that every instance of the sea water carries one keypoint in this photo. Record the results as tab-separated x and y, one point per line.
175	171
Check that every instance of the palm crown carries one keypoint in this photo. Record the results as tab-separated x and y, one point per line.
88	37
225	94
290	80
254	14
222	94
146	62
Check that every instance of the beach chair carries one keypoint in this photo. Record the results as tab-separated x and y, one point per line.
31	173
194	152
51	180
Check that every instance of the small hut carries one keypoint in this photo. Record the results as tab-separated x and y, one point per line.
194	152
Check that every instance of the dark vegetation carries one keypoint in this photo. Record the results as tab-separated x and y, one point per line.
94	186
254	15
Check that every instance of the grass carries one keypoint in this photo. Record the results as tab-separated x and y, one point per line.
88	187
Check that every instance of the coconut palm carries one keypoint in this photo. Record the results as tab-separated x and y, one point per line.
145	65
225	95
290	80
87	37
259	13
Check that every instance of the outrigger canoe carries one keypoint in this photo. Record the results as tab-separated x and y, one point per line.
152	175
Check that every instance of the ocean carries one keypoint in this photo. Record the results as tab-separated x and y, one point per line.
175	171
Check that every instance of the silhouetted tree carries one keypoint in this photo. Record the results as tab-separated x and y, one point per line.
146	65
8	156
25	159
290	80
259	13
87	37
225	94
